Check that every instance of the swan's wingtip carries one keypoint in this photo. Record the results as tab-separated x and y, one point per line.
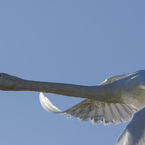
47	105
41	95
41	98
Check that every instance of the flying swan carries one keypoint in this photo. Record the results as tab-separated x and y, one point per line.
113	101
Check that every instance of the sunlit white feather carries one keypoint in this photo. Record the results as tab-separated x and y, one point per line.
96	112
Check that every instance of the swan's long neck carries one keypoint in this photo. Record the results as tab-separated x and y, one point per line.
57	88
99	93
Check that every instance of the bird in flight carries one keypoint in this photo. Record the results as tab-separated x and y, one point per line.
113	101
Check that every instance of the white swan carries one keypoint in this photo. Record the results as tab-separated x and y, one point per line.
134	133
113	101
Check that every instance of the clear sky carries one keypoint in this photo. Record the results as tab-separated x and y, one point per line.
80	42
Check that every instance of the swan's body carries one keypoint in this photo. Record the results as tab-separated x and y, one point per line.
113	101
134	133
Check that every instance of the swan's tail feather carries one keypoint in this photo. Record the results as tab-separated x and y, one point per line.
96	112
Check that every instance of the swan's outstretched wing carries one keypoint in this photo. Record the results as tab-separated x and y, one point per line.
114	78
96	112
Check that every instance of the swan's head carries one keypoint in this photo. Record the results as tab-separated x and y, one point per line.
8	82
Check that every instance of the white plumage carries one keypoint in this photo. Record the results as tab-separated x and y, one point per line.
96	112
134	133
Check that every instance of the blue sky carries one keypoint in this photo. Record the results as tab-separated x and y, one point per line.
79	42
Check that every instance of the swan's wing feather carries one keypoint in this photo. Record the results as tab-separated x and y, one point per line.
96	112
114	78
47	105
